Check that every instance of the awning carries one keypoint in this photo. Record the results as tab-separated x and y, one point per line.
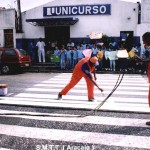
53	21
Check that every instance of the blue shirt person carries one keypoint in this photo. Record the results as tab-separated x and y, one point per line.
63	58
57	54
68	58
75	56
32	50
80	54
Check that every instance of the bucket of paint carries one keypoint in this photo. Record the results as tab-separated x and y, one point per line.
3	89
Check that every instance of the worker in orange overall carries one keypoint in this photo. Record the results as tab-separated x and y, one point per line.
146	42
84	68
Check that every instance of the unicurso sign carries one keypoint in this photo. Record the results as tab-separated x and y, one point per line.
77	10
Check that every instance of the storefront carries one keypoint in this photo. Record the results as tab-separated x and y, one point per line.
60	20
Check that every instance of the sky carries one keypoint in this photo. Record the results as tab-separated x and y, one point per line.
28	4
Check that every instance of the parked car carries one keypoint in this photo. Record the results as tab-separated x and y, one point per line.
13	59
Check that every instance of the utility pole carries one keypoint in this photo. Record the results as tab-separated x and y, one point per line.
19	18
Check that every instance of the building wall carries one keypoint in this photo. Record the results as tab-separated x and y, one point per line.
1	37
145	19
122	18
8	17
8	22
145	11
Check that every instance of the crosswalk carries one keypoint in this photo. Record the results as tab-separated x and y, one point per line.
131	95
55	127
66	129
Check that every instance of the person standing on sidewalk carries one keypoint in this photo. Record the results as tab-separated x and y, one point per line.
112	55
41	50
62	55
84	68
100	55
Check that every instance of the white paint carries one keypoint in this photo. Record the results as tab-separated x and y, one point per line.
143	93
47	98
100	82
110	87
97	120
76	136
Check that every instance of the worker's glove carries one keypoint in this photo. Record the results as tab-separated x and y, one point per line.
95	78
100	89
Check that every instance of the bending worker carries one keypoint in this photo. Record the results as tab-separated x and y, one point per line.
84	68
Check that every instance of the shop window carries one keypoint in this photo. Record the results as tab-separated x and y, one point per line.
126	39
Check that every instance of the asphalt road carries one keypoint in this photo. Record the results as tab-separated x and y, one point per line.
42	122
24	80
35	128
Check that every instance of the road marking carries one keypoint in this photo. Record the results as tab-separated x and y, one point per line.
76	136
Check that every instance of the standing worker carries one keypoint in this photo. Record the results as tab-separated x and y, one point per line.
146	42
41	50
84	68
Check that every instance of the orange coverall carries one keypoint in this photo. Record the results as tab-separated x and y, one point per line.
78	74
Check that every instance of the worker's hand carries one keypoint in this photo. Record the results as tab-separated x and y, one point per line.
95	78
100	89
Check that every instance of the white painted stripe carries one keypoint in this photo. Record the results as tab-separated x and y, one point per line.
105	78
76	136
109	75
73	100
137	106
100	80
75	119
112	107
50	97
83	86
77	97
64	82
85	91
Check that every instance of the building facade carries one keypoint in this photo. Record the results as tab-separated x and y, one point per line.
7	27
61	20
144	26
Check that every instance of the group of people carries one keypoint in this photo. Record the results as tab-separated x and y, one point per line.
107	56
71	53
87	65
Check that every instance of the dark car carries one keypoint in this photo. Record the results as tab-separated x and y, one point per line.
13	59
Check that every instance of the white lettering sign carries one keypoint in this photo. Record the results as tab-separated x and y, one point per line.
78	10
